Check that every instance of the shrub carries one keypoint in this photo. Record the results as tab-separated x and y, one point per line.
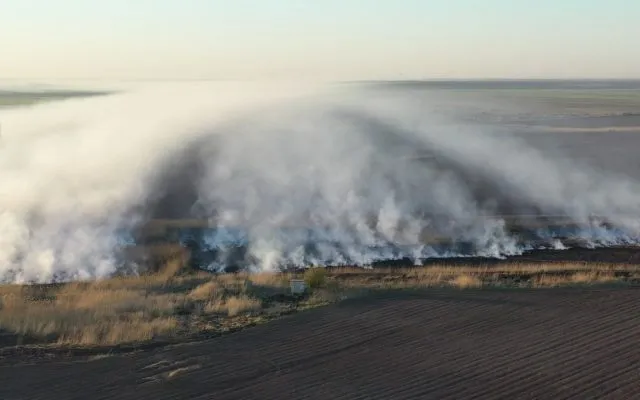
315	277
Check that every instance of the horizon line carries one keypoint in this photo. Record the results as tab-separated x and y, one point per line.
426	79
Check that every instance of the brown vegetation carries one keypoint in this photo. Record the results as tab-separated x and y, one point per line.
466	281
169	304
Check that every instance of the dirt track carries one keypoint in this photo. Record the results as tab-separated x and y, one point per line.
483	344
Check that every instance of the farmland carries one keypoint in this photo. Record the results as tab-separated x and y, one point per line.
447	332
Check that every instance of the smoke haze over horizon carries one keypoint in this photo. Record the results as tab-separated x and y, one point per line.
310	174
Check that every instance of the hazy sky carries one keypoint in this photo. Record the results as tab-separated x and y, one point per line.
318	39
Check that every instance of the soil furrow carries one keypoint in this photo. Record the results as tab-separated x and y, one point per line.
476	344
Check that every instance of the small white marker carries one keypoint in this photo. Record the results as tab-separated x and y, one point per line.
298	286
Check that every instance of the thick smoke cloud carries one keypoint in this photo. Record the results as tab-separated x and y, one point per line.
294	175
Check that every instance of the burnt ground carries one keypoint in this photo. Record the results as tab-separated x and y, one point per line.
605	255
436	344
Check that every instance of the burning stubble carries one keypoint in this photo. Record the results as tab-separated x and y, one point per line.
284	176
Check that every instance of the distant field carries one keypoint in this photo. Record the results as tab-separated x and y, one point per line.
561	101
531	97
18	98
591	101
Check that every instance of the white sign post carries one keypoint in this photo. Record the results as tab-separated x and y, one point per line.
298	286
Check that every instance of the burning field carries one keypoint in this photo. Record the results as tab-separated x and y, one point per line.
137	228
272	177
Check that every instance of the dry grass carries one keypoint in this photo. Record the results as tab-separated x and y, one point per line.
163	304
234	305
88	314
466	281
585	277
269	279
170	303
512	268
206	291
315	277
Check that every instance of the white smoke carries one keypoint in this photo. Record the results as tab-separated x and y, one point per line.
298	175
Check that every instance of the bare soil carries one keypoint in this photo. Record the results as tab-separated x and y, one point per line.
435	344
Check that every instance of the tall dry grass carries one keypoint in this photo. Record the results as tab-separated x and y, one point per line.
234	305
120	309
465	281
169	302
88	314
584	277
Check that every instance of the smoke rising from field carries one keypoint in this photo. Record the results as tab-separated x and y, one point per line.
295	175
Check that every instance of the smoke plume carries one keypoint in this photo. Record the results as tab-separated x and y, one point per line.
290	175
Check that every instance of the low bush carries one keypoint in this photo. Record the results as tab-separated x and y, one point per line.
315	277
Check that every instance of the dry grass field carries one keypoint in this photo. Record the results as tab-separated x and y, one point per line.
173	303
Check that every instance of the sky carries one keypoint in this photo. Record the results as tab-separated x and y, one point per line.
318	39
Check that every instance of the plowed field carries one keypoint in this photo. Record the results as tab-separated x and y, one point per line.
439	344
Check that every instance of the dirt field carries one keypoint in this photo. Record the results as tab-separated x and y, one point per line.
437	344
